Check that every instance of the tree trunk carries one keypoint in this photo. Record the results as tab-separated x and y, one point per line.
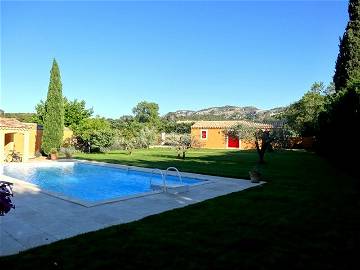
261	151
261	157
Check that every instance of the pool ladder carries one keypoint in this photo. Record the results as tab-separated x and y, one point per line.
173	169
163	177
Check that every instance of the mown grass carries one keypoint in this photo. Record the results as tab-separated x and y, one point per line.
212	162
306	217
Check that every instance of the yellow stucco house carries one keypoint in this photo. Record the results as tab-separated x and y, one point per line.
212	134
24	138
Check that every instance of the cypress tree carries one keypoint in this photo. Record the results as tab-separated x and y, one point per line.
54	112
347	68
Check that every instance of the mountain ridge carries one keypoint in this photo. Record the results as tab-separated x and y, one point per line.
227	112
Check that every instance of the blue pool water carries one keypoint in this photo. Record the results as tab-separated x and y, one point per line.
88	182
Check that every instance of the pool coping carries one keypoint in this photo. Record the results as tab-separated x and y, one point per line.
206	179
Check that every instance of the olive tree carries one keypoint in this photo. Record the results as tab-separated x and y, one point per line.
182	143
263	138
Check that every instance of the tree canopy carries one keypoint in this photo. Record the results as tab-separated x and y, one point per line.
74	112
347	68
147	112
337	125
54	112
302	115
94	134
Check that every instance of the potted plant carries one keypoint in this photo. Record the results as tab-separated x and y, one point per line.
5	197
53	154
255	175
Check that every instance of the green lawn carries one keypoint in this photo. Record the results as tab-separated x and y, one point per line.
213	162
307	216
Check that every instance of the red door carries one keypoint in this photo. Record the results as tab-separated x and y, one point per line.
233	142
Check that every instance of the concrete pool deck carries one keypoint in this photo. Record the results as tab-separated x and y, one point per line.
40	218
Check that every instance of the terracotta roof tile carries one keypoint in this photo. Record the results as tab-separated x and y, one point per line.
11	123
228	124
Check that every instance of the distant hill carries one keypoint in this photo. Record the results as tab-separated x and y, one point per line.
22	117
213	113
226	113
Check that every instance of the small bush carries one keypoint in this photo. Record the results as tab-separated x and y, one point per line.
68	152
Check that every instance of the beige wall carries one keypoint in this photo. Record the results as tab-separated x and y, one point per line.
216	138
247	144
19	142
34	140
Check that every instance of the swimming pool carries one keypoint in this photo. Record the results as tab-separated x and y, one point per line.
92	183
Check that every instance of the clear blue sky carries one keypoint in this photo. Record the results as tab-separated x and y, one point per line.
181	55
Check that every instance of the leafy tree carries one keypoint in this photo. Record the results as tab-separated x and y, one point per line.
146	137
122	122
134	135
347	68
147	113
302	115
74	112
131	129
182	143
54	112
94	134
179	128
330	89
40	111
263	138
317	87
128	144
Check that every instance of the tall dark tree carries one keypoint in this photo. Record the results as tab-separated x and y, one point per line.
337	125
347	69
54	112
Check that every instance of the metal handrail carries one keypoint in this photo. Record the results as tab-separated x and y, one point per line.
174	169
162	177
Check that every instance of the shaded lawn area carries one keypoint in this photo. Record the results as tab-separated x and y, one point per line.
306	216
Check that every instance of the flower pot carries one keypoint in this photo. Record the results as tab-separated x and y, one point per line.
53	156
255	177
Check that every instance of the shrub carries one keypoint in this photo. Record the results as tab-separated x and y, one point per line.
68	152
125	140
145	137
